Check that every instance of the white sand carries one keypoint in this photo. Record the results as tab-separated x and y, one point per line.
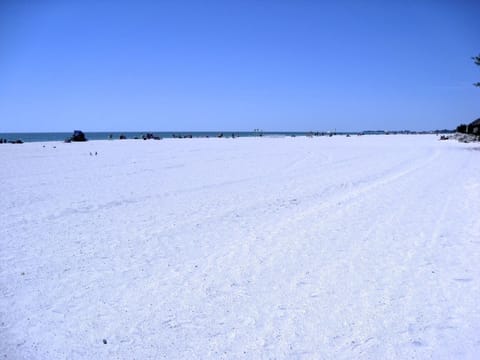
298	248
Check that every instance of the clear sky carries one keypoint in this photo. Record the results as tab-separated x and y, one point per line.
238	65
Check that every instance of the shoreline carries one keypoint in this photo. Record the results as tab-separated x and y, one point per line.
20	138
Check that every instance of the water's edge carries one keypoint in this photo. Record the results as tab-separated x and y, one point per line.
61	136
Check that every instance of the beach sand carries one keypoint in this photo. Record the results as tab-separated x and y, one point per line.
364	247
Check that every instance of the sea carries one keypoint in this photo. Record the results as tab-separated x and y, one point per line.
61	136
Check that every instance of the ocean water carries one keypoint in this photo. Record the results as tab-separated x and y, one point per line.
61	136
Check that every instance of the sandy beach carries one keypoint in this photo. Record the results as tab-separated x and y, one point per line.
364	247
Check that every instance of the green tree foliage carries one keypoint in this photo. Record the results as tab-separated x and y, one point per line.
462	128
476	60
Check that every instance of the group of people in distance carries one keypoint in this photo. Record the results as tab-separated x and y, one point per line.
5	141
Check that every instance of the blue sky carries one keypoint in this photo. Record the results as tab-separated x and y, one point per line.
237	65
